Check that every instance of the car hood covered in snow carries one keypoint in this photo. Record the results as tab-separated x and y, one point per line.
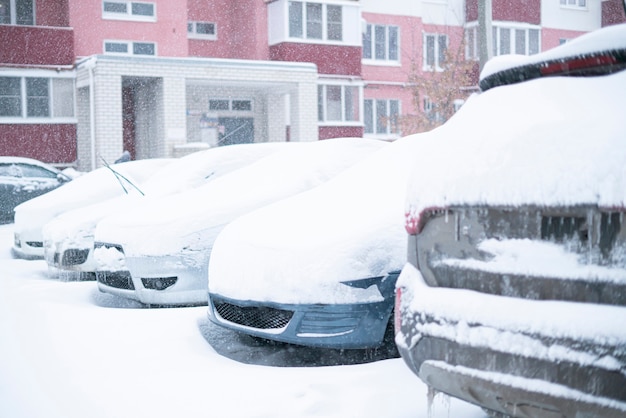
298	250
190	222
97	185
76	227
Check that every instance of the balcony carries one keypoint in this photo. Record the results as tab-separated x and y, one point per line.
36	45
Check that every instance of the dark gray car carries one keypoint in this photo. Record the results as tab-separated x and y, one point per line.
22	179
514	294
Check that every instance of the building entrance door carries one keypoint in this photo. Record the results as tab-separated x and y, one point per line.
236	131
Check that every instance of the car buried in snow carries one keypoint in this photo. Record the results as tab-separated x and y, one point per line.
68	238
320	268
22	179
514	294
158	253
88	188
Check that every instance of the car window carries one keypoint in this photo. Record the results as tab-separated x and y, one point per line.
36	171
10	170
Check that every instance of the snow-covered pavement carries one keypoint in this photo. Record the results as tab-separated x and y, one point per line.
67	350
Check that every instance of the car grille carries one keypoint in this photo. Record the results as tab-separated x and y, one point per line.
117	279
74	256
118	247
450	241
254	317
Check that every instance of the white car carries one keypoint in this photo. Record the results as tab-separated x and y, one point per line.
319	269
68	238
158	254
97	185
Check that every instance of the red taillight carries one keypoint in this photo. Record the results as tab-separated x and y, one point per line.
577	64
414	224
410	223
397	321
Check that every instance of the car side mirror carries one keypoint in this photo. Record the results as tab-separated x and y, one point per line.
63	178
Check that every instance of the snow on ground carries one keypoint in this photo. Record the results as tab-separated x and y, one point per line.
67	351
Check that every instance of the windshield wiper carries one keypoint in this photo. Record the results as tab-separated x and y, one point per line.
121	177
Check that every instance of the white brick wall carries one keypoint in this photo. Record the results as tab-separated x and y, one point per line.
162	122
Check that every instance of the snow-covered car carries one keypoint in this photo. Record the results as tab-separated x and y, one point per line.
514	294
158	254
320	268
100	184
22	179
69	237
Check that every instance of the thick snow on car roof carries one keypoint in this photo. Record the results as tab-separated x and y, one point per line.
553	141
297	250
160	227
24	160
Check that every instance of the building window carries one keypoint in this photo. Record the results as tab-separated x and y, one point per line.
432	113
523	41
129	10
579	4
315	21
236	105
338	103
381	116
17	12
380	43
435	46
36	97
201	30
130	48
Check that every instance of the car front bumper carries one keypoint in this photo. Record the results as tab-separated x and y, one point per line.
27	246
341	326
467	344
169	280
69	257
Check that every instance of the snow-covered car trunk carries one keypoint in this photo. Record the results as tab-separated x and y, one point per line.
513	297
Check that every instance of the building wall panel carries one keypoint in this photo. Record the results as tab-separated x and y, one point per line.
36	45
330	59
55	143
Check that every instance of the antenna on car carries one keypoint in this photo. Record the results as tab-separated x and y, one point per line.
120	177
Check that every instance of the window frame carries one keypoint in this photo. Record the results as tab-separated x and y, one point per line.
388	130
14	19
231	108
513	31
53	99
129	15
323	103
471	39
194	34
300	28
436	50
574	4
130	47
372	46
